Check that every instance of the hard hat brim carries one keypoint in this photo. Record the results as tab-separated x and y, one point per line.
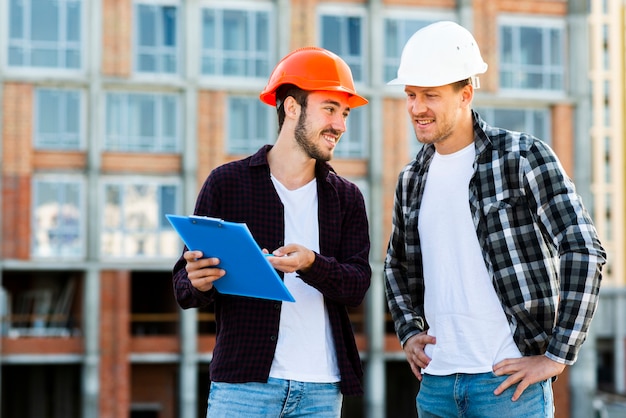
354	100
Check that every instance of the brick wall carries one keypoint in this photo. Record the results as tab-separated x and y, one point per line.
17	154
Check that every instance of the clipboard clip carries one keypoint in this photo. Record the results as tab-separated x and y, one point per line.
194	219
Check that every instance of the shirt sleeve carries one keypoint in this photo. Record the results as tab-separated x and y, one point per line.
186	295
565	222
403	281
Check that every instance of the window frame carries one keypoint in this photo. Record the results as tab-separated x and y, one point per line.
37	111
239	81
178	47
348	11
163	234
66	179
159	96
231	142
29	70
516	22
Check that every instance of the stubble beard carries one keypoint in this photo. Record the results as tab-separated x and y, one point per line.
303	139
440	135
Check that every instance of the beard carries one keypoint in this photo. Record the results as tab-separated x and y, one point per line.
445	129
304	139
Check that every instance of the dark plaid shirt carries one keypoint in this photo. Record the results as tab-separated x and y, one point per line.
247	328
538	243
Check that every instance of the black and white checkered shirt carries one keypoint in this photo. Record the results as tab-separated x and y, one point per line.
538	243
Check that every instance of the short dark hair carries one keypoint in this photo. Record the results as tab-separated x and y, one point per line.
284	91
458	85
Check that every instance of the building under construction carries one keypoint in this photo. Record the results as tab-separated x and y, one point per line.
115	111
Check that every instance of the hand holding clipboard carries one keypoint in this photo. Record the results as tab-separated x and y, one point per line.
248	273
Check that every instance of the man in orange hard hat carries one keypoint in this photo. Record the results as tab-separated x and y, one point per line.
283	359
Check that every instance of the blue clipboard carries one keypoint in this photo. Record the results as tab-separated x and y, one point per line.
248	273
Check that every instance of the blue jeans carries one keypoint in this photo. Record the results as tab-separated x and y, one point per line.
275	399
471	396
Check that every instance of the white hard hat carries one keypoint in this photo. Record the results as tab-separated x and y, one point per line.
439	54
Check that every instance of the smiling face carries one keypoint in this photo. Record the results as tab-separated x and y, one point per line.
435	112
322	123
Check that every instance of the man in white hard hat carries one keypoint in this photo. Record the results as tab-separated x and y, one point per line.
493	266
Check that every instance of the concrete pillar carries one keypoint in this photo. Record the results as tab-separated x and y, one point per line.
375	379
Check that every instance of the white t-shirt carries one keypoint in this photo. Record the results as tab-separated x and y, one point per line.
305	350
461	305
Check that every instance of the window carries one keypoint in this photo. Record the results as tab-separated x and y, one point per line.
250	124
156	39
57	224
142	122
134	222
531	55
237	42
354	141
344	34
397	33
58	119
532	121
45	33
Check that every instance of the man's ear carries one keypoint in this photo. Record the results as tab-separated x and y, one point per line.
467	94
292	108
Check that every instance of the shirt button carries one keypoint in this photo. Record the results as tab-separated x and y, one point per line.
277	306
273	338
281	243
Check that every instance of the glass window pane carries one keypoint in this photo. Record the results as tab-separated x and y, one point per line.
112	206
208	29
72	59
353	142
73	22
169	117
168	203
531	57
236	42
48	109
169	26
330	28
392	38
57	219
147	31
531	45
58	119
556	47
235	30
262	32
16	20
44	20
45	33
249	125
44	58
157	39
72	113
354	36
139	209
147	112
142	122
506	45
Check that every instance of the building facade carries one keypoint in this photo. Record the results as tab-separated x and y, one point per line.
115	111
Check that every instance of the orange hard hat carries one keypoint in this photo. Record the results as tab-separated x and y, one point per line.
312	68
